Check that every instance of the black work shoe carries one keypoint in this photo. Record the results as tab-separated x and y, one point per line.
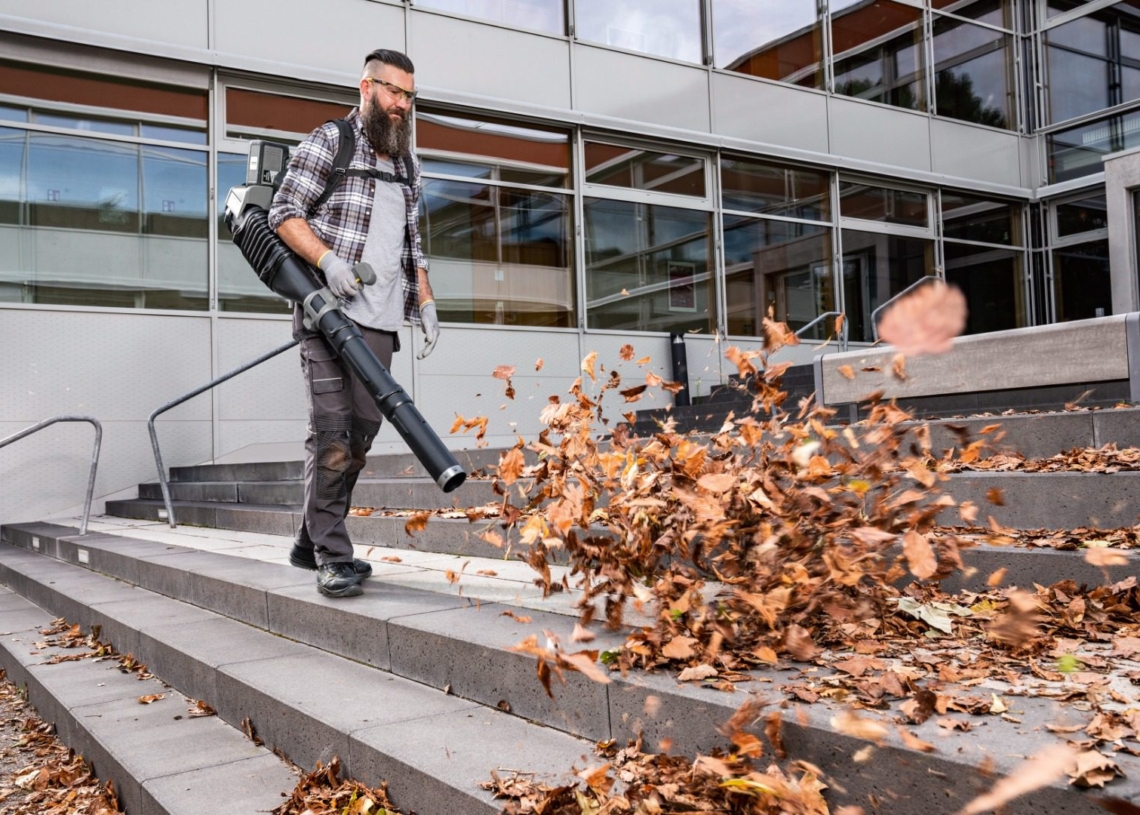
338	580
303	558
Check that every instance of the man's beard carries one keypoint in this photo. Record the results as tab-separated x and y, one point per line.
388	137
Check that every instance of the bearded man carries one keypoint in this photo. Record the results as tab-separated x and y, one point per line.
371	215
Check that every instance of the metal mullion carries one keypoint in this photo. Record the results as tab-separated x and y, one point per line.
991	26
579	209
640	197
786	218
982	244
487	182
837	253
882	228
51	130
719	263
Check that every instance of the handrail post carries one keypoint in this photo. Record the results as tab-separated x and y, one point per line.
94	455
162	480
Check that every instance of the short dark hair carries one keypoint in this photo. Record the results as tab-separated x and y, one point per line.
394	58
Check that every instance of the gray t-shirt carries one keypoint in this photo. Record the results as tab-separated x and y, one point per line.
381	305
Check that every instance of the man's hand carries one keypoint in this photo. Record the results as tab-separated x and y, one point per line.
429	320
340	277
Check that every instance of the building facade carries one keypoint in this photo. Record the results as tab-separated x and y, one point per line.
596	173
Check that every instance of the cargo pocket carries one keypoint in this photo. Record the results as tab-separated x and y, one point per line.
325	375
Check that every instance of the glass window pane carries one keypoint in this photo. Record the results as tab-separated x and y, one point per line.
519	153
991	281
638	169
972	73
12	114
648	267
993	12
882	204
267	111
664	28
1079	151
775	189
879	54
90	244
777	265
77	183
970	218
1086	215
498	256
81	88
168	133
174	192
1055	7
1081	281
86	124
12	147
1078	84
239	288
536	15
781	40
876	268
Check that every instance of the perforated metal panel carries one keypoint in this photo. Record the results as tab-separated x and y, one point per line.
974	152
649	91
116	367
743	108
183	23
857	131
509	64
350	28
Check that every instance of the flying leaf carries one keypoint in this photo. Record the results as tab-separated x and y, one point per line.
626	352
926	321
416	523
1032	774
588	365
919	555
696	673
538	363
846	371
849	723
1106	557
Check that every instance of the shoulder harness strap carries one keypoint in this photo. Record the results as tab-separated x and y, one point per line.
345	148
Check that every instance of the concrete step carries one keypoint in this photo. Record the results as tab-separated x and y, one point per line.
394	465
433	747
161	760
393	493
444	535
438	642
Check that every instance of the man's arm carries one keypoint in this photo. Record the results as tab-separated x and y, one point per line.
299	237
422	284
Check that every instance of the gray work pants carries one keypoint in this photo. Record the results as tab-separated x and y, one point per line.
343	421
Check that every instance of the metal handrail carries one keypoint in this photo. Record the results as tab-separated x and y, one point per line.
922	281
162	480
94	455
842	331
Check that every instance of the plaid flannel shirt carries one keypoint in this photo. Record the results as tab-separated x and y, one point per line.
342	222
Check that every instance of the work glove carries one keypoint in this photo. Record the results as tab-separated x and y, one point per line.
429	321
339	275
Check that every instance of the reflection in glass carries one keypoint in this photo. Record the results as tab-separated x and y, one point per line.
79	183
972	73
86	124
970	218
546	16
879	53
521	154
1055	7
1086	215
781	40
12	147
993	12
498	255
174	192
777	265
1079	151
875	268
1090	62
768	188
638	169
1081	282
239	288
664	28
884	204
11	114
648	268
103	223
169	133
990	278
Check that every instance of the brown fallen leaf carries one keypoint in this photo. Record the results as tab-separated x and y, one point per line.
150	698
1092	768
1032	774
919	554
926	321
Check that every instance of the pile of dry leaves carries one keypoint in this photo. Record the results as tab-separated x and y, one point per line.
40	775
323	792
